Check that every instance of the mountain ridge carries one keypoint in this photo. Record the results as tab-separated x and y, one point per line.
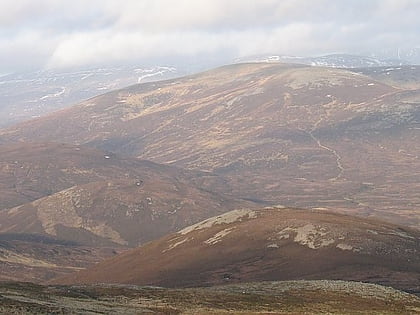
268	244
277	133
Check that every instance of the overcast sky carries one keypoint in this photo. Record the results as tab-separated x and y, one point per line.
82	33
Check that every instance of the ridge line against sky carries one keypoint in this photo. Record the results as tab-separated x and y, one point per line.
79	33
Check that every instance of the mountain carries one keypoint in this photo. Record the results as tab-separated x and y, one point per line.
333	60
268	244
406	77
29	171
36	258
291	297
27	95
277	133
97	198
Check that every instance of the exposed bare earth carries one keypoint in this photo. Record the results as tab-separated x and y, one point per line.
292	297
269	244
285	134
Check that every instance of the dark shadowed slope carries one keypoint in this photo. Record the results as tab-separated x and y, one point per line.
269	244
37	258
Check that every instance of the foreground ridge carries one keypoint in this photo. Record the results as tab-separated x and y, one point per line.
309	297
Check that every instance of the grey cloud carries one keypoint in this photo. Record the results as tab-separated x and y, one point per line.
50	33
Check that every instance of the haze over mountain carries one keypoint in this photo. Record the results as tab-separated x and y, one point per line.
283	134
26	95
32	94
334	60
208	157
48	34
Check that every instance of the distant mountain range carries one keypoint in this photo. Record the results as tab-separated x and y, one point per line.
28	95
96	198
141	165
334	60
276	133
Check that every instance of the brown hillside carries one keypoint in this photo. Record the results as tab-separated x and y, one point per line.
284	297
269	244
117	212
287	134
98	198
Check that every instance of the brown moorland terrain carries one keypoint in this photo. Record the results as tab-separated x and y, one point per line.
268	244
291	297
116	212
284	134
407	77
286	297
96	198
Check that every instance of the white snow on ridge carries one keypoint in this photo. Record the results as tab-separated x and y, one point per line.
153	72
226	218
63	90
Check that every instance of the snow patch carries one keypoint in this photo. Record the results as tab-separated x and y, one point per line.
172	246
308	235
218	236
343	246
229	217
63	90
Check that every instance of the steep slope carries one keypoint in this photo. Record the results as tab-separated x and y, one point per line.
291	297
285	134
269	244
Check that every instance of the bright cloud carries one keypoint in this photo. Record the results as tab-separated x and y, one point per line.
50	33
